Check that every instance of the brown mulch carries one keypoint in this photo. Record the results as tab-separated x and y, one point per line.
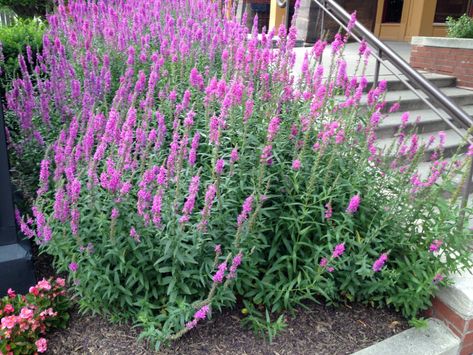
317	330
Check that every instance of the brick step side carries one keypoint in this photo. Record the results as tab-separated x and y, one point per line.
462	328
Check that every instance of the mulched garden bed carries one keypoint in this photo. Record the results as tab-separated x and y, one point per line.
317	330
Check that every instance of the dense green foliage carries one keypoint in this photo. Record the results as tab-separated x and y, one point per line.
15	39
461	27
28	8
189	167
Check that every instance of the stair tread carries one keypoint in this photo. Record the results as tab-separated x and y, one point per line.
459	296
436	339
427	75
452	139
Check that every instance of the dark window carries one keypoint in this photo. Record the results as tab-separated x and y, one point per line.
454	8
392	11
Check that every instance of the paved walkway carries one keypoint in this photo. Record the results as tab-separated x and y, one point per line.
351	56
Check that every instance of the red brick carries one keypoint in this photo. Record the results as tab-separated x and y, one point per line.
468	338
444	313
428	313
467	350
469	327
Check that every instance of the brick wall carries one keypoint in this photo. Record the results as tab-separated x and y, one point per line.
461	327
451	61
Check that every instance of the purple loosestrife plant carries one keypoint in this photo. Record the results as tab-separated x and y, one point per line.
141	106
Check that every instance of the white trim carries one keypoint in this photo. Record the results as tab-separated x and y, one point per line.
443	42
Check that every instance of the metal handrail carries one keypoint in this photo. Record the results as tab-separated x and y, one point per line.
429	89
435	96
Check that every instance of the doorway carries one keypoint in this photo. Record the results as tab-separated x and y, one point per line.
391	19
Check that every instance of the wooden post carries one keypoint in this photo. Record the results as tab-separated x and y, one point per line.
229	9
277	15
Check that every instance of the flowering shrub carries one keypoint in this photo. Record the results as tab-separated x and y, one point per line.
186	163
25	319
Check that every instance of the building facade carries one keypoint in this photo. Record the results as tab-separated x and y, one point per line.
389	19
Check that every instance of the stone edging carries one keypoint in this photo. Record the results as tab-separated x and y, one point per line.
443	42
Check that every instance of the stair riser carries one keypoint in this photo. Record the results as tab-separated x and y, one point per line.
417	104
439	82
422	127
448	152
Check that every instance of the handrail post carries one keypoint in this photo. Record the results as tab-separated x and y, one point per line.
377	68
288	9
322	19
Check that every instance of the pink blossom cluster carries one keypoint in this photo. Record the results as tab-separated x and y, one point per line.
24	319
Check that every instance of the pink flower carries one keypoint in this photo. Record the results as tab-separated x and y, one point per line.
234	155
266	155
235	263
352	22
41	345
218	249
219	166
435	246
134	234
44	285
218	277
323	262
61	282
11	293
202	313
246	210
337	43
328	211
438	278
8	308
196	79
273	128
404	119
191	324
354	204
8	322
395	107
470	151
338	251
442	137
379	263
34	291
115	213
296	164
191	198
26	313
73	267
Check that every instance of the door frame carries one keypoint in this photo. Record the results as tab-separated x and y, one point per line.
392	31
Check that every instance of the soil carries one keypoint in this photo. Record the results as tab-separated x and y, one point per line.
319	329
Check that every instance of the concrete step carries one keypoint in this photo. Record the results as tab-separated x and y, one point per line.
451	147
429	122
439	80
459	296
437	339
409	101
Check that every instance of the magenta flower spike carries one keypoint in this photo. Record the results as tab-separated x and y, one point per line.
354	204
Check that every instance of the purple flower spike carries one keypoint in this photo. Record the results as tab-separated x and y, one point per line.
379	263
354	204
338	251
